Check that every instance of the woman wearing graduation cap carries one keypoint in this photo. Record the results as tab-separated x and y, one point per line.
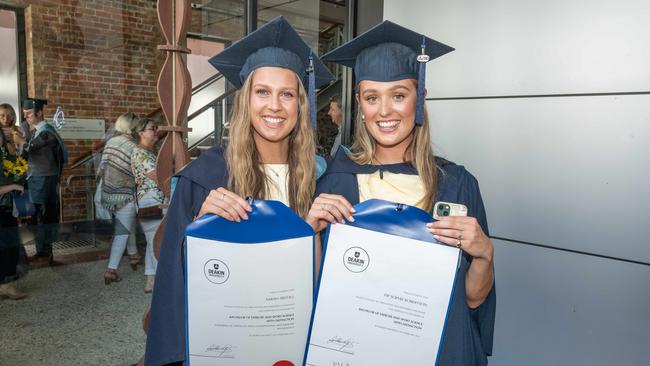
392	159
270	155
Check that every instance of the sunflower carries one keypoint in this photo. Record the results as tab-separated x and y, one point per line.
20	166
15	168
7	167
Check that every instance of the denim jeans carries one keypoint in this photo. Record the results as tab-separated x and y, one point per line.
126	217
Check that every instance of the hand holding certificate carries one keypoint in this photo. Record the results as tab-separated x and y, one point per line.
249	288
384	292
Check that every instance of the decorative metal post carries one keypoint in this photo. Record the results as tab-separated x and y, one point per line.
174	93
174	90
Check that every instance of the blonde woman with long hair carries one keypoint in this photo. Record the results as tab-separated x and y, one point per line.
392	159
270	155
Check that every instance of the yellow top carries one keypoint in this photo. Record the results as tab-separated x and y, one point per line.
402	188
278	175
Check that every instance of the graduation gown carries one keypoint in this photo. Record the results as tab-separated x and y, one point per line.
468	332
166	332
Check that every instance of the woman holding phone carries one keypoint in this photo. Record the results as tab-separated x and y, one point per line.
392	159
270	155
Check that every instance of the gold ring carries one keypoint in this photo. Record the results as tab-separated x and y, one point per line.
459	244
460	235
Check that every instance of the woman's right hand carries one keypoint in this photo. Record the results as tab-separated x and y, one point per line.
226	204
329	208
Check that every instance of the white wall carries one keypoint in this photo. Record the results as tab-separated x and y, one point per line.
558	165
9	92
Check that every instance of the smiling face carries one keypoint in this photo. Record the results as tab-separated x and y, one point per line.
33	116
273	105
6	118
389	111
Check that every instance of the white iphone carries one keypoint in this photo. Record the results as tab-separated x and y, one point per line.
442	208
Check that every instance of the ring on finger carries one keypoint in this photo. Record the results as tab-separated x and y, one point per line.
460	235
459	244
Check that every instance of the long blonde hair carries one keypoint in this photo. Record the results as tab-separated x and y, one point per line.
419	154
247	177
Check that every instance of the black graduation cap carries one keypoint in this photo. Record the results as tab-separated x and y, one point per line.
33	103
274	44
390	52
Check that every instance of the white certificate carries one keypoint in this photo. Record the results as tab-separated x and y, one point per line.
383	299
248	304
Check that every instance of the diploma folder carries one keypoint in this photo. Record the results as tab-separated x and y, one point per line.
384	292
249	288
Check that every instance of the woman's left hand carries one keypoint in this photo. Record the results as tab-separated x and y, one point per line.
18	138
463	232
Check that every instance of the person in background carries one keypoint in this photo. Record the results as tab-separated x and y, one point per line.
9	243
118	193
46	155
9	240
392	159
8	125
148	195
336	115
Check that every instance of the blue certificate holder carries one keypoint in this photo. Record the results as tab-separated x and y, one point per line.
385	290
249	288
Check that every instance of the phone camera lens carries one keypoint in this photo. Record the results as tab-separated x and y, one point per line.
446	213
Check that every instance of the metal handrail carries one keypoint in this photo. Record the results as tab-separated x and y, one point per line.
211	104
204	84
88	191
189	118
207	82
79	176
203	109
85	160
200	141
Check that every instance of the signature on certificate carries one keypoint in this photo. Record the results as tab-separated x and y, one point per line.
342	343
220	351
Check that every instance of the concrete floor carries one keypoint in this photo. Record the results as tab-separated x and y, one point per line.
71	318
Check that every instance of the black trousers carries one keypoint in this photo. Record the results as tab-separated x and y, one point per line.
9	245
47	231
43	193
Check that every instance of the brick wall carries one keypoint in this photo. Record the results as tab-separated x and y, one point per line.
95	59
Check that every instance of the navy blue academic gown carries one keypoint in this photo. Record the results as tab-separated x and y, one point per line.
166	333
468	332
